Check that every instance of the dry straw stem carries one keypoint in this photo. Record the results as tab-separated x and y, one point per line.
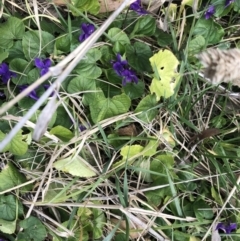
77	54
221	65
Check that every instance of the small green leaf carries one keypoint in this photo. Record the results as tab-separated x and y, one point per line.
12	29
138	56
134	91
16	51
88	67
160	163
92	56
211	31
236	6
145	26
22	67
3	55
118	47
163	38
107	55
112	77
33	45
26	102
99	221
108	89
8	227
196	45
75	166
166	78
33	75
156	197
33	230
220	8
148	107
202	210
63	43
81	84
102	108
11	177
117	35
62	132
17	146
63	118
8	207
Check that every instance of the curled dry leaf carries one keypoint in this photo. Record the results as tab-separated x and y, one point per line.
221	65
205	134
208	133
128	131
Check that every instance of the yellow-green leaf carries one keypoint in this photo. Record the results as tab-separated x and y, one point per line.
151	148
192	238
131	151
75	166
62	132
7	226
166	77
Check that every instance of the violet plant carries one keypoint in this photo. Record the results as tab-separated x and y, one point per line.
142	110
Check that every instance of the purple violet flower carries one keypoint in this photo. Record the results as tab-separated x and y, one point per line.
227	228
32	94
82	128
123	70
43	65
136	6
5	73
87	30
119	65
129	76
228	2
210	11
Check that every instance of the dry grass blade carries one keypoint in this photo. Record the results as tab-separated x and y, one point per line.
45	117
221	65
